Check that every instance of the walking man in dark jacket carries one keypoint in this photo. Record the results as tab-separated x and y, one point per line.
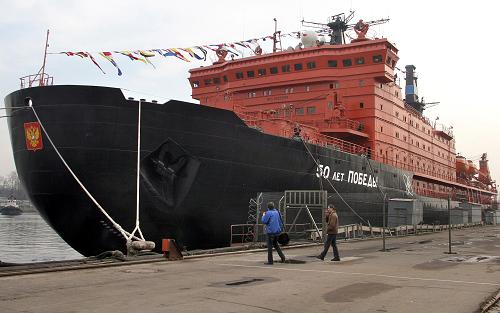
272	220
332	221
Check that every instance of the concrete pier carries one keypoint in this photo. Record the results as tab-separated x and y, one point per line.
414	275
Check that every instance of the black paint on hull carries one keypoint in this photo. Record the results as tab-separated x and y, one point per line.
199	168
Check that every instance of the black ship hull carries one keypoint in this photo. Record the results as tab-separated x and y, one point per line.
199	168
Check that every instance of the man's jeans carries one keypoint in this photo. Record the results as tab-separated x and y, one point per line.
331	239
272	241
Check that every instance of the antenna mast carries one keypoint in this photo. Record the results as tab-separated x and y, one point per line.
42	83
276	37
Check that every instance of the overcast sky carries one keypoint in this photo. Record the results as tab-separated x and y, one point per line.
454	46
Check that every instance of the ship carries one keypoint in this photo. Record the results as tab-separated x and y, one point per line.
322	115
10	208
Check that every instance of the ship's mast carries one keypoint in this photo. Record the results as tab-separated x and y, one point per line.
338	24
276	36
44	59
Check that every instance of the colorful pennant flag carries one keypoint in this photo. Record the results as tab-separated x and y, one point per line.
193	54
131	56
108	56
85	55
146	56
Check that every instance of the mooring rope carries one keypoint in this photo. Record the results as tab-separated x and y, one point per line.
124	233
330	183
137	222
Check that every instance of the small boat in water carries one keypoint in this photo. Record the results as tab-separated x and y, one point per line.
10	208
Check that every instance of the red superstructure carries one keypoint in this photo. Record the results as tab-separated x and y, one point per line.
348	96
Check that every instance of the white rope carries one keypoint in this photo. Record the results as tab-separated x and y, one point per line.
330	183
124	233
137	223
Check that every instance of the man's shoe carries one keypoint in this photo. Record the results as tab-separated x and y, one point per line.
336	259
268	263
319	257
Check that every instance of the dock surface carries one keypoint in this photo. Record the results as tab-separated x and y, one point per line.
414	275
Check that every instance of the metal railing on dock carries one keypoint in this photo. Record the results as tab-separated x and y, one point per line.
304	232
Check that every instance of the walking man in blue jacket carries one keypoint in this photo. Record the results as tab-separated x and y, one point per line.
272	220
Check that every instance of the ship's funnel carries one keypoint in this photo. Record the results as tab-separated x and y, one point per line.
411	89
484	171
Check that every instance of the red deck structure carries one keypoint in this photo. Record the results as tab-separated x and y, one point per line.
346	96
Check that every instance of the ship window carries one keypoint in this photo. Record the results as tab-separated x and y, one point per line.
217	80
311	65
381	107
397	135
389	60
308	88
361	82
224	78
239	75
273	70
289	90
196	84
361	105
311	110
404	138
262	71
381	128
299	111
360	61
250	74
377	58
267	92
297	66
334	85
285	68
347	62
404	118
208	81
418	144
252	94
397	114
332	63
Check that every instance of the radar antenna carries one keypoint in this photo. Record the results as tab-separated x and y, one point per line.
338	24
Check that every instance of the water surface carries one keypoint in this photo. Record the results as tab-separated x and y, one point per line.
27	238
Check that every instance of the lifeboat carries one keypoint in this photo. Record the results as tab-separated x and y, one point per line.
472	170
462	166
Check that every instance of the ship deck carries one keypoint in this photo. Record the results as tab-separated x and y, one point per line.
415	275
